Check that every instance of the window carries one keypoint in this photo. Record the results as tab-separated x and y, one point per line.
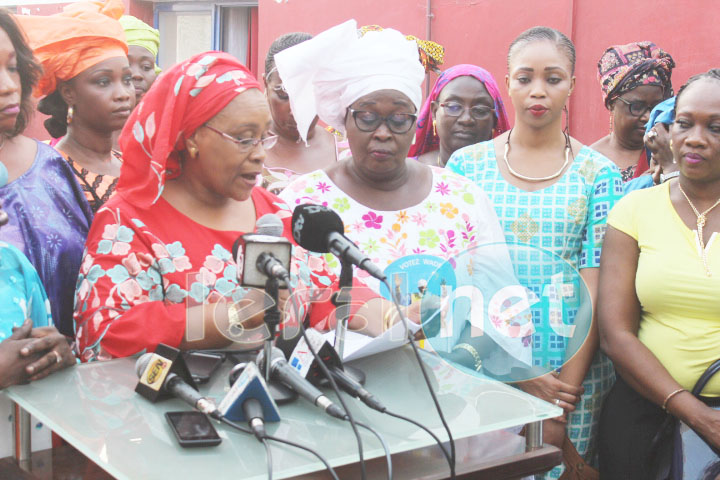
188	28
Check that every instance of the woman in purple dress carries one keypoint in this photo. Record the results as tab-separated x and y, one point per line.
49	216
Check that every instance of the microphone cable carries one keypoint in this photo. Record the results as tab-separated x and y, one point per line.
331	380
384	446
268	456
426	377
421	426
239	427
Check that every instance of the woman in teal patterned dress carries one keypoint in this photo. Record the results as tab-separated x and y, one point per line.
552	193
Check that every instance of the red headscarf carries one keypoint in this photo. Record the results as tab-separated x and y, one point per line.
180	101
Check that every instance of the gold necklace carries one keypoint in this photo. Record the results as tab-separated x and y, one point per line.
536	179
439	162
701	217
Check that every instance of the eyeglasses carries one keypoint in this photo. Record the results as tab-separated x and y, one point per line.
247	144
398	123
637	109
478	112
278	89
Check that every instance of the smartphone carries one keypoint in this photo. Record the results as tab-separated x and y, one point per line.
193	429
202	365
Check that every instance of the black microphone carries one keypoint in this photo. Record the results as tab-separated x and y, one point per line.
283	372
172	384
297	352
319	229
264	254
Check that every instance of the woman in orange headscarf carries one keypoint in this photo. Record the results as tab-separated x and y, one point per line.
87	88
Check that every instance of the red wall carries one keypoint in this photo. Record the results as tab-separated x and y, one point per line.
479	32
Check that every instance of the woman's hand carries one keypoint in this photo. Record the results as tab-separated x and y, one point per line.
12	365
554	431
50	352
553	390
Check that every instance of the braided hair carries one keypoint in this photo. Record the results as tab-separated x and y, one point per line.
561	41
281	43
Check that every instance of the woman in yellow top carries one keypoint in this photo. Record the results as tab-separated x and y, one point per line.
659	293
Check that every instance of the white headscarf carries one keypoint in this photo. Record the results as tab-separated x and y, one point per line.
325	75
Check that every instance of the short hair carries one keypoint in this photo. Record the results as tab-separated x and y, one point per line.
28	69
712	74
281	43
534	34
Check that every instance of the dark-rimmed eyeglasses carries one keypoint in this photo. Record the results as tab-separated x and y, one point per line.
636	109
478	112
247	144
398	123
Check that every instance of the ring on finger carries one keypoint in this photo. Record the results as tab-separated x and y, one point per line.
58	357
557	402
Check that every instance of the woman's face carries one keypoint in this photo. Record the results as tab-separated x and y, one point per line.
220	166
695	134
629	126
142	67
539	82
102	96
279	102
10	86
381	151
467	96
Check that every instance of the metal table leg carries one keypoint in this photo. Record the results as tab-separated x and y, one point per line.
22	437
533	440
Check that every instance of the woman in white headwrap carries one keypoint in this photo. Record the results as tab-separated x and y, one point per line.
409	218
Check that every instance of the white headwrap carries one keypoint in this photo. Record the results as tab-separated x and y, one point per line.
325	75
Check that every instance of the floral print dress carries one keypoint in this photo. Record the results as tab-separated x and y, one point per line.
415	244
143	268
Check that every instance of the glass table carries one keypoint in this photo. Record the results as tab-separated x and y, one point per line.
95	409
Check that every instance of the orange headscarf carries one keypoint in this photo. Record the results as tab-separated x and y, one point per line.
68	43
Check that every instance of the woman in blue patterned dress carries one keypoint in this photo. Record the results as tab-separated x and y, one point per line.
552	193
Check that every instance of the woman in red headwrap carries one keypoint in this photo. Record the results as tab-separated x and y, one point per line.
158	267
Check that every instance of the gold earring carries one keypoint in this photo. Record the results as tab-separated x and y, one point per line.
612	121
70	114
193	152
434	128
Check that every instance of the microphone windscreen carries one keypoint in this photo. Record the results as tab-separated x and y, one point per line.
312	224
270	225
142	363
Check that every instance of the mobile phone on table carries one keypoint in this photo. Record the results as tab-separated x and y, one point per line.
193	429
202	365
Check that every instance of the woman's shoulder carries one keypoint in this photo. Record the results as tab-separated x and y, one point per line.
477	152
307	185
589	156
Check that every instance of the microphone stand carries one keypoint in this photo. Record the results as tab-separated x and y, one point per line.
280	393
341	299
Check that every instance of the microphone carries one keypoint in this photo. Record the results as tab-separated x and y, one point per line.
249	400
300	358
319	229
155	372
283	372
264	254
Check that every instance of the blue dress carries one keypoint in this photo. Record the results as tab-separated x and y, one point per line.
555	230
49	221
21	292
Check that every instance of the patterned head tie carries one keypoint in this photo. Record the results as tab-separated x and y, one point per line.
432	54
625	67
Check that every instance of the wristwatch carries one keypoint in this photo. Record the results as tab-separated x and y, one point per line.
664	178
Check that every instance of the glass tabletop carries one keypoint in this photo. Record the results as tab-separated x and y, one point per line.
95	408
